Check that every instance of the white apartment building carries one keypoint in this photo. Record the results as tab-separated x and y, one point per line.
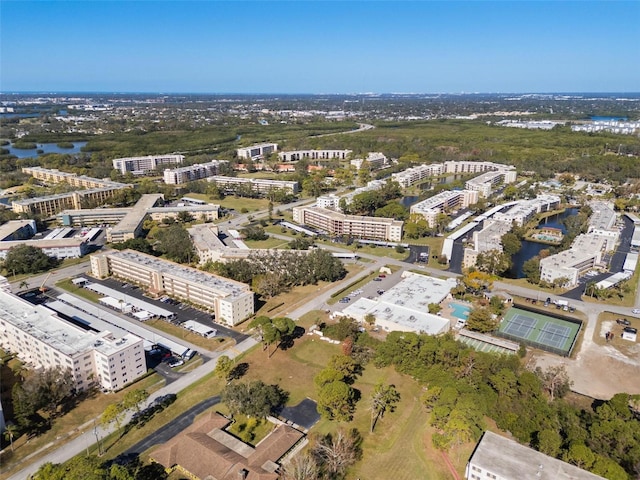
40	338
58	248
142	165
489	238
257	151
231	301
176	176
331	201
525	210
444	202
414	175
370	186
486	182
261	185
295	155
496	457
375	161
585	253
339	224
56	176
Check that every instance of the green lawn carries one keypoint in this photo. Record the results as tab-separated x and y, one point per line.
68	285
270	242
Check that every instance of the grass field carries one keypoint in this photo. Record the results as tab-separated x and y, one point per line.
270	242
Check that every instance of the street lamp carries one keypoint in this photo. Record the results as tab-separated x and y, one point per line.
95	431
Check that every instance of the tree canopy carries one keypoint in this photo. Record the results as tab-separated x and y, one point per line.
27	259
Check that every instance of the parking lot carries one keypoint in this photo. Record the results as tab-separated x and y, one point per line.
372	289
182	311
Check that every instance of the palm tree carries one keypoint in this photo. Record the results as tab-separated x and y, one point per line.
382	398
10	431
23	285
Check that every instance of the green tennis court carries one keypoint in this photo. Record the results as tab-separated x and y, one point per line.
538	330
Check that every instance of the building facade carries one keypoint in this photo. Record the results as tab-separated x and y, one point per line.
142	165
176	176
42	339
259	185
254	152
295	155
81	181
339	224
231	301
443	202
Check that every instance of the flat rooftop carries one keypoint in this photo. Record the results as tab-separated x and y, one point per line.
352	218
11	226
224	286
205	237
417	291
134	217
510	460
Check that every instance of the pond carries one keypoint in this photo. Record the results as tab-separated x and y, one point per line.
531	249
45	147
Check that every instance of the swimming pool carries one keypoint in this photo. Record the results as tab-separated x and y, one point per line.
460	310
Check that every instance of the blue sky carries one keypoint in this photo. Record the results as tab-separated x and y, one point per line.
320	46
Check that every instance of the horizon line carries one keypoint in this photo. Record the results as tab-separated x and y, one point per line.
115	92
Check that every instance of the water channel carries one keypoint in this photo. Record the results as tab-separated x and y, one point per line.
531	249
45	148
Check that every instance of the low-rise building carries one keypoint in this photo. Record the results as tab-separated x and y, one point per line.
443	202
231	301
497	457
58	248
131	224
259	185
295	155
489	238
254	152
374	160
17	230
486	182
56	176
49	205
584	254
339	224
42	339
524	210
175	176
142	165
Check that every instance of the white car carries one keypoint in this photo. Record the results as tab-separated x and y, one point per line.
636	311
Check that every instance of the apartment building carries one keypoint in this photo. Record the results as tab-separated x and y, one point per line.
496	457
207	213
374	160
525	210
176	176
142	165
58	248
489	238
42	339
17	230
81	181
260	185
295	155
50	205
584	254
444	202
254	152
486	182
231	301
131	224
339	224
414	175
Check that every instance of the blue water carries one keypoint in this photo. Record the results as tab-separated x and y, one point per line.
459	310
46	147
608	119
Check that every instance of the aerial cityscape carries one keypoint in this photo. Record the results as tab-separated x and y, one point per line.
268	240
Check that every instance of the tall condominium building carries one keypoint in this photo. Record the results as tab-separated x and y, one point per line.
295	155
335	223
42	339
142	165
499	458
175	176
257	151
231	301
444	202
485	183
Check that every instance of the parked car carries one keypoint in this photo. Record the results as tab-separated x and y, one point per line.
382	275
623	321
377	279
636	311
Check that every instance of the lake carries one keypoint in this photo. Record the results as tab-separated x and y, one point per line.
45	147
531	249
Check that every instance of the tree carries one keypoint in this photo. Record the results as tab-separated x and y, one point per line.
549	442
23	285
493	261
54	385
254	399
254	232
531	270
114	413
476	282
579	455
555	381
383	398
27	259
133	399
301	467
224	366
10	431
511	244
139	244
336	401
335	453
184	217
175	242
434	308
481	320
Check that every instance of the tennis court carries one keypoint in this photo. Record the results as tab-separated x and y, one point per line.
539	330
